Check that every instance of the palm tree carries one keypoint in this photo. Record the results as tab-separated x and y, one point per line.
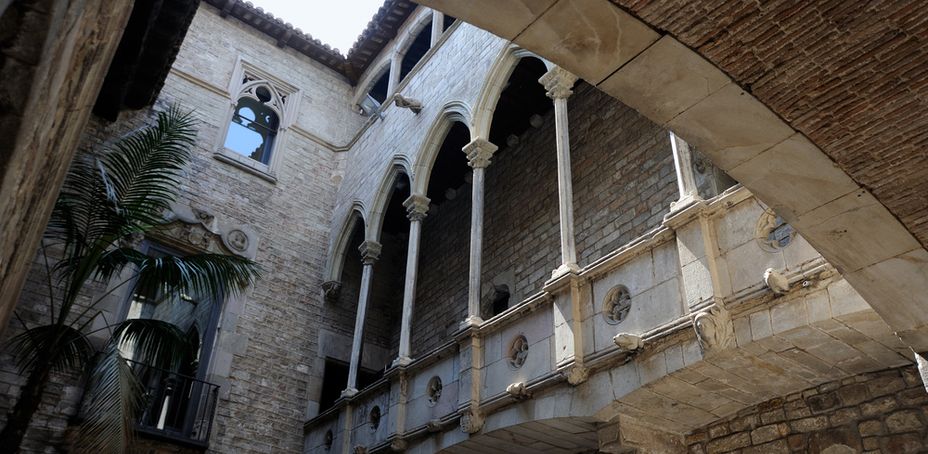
107	200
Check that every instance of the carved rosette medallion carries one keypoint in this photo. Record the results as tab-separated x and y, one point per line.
773	233
518	352
238	240
714	329
617	304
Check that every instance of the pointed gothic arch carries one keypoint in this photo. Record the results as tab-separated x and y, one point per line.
452	112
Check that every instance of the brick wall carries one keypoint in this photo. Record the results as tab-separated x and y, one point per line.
623	182
880	412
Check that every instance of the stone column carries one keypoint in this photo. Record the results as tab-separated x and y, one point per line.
396	64
416	208
686	181
479	152
558	82
438	22
370	252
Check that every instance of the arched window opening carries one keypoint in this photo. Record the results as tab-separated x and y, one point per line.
254	125
450	170
521	104
447	22
416	50
377	94
500	299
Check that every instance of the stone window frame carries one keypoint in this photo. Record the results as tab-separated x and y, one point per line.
287	113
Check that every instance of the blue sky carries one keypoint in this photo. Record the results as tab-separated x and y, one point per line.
334	22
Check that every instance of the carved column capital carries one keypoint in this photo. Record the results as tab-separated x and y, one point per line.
558	82
370	252
416	207
479	151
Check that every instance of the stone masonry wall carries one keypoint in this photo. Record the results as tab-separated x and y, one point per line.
880	412
623	183
267	341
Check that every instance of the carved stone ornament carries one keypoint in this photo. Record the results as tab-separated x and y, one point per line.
577	374
518	352
714	329
373	418
433	390
331	290
628	342
471	421
434	425
398	445
360	449
328	440
558	82
479	151
518	391
617	304
773	233
204	231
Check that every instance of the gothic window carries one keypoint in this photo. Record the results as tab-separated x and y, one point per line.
261	111
254	125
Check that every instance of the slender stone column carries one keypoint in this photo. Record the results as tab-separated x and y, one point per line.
438	22
479	152
416	208
558	82
686	181
370	252
396	63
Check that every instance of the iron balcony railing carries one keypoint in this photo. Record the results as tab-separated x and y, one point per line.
179	409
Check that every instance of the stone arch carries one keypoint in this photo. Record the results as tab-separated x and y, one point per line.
399	166
370	78
744	132
493	87
423	19
336	261
452	112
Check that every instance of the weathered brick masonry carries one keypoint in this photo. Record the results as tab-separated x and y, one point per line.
878	412
831	69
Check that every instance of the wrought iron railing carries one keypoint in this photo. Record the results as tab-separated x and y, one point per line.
178	409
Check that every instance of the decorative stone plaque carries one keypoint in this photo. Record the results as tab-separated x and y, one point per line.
617	304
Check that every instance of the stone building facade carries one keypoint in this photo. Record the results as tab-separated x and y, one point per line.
470	250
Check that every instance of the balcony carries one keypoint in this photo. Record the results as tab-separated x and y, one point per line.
649	330
179	408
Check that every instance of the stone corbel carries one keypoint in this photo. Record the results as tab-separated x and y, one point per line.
714	329
360	449
398	445
518	391
471	421
576	374
628	342
331	291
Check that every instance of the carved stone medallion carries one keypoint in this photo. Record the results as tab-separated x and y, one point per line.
518	352
434	390
773	233
373	418
617	304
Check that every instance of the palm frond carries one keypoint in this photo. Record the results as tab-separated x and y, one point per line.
152	342
114	396
208	276
61	346
118	192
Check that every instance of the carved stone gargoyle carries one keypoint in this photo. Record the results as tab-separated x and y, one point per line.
407	103
628	342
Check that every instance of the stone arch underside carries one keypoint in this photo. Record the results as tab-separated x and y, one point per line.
813	148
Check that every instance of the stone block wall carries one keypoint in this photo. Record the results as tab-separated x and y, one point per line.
879	412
